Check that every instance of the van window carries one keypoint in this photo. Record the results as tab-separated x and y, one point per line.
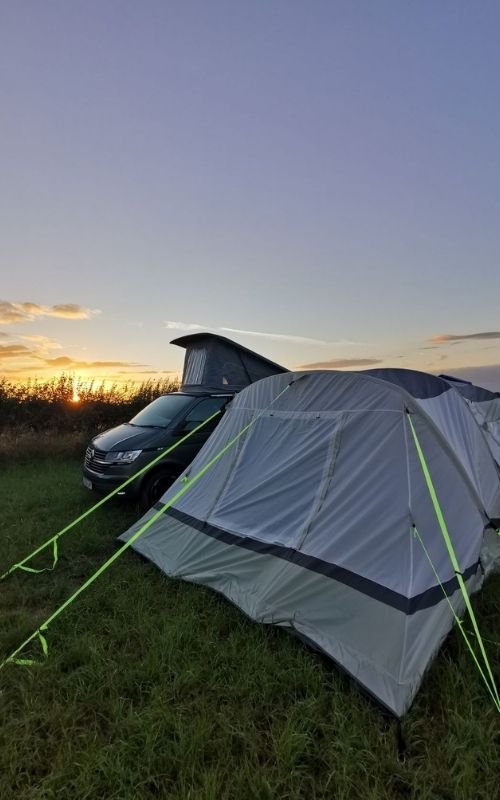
205	409
161	412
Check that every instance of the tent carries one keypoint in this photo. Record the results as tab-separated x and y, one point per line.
452	415
485	406
214	363
319	520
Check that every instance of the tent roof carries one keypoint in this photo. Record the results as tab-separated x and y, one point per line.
420	385
472	392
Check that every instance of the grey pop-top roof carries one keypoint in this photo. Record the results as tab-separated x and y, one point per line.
215	363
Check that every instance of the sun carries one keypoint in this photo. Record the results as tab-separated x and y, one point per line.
75	397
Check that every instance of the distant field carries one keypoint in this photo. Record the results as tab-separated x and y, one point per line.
155	688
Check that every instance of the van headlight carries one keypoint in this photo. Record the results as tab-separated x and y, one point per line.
124	456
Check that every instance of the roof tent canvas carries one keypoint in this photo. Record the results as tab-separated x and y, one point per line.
215	363
452	415
308	523
485	406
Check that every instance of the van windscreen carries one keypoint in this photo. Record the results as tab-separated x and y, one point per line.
161	412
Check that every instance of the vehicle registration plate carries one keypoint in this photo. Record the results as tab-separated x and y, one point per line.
87	483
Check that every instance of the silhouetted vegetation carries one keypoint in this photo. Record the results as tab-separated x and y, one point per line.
42	417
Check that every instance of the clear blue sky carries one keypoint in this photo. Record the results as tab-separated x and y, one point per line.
322	170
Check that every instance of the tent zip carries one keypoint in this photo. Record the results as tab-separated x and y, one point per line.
185	488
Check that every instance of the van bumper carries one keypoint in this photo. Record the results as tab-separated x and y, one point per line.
106	483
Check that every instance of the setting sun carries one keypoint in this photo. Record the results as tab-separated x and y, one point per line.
75	397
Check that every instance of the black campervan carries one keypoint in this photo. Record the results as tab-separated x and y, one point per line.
215	368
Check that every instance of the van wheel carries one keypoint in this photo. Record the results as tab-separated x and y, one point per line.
154	487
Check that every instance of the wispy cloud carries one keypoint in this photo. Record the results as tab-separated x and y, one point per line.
444	338
184	326
341	363
38	346
11	313
14	351
285	337
70	363
43	344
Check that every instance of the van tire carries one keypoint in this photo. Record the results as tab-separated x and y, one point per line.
154	486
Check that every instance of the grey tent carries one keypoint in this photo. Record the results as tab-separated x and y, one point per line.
455	419
485	406
310	522
215	363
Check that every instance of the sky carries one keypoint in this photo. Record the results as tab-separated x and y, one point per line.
319	181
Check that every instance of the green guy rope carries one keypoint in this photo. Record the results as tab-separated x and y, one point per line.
453	558
187	485
54	539
459	622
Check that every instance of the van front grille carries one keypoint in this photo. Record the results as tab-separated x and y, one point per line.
96	459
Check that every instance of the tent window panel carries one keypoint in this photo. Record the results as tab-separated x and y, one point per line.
281	471
364	522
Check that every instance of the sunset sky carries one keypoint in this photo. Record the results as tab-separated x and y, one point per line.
318	180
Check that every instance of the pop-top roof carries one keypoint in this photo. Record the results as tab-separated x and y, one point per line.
215	363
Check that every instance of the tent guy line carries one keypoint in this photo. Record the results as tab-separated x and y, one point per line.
54	539
41	629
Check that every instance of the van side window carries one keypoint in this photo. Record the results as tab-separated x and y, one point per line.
205	409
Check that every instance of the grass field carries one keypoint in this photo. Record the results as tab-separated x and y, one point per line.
156	688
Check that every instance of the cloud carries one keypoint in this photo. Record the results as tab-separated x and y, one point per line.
184	326
14	351
152	372
70	363
71	311
341	363
38	347
11	313
43	343
284	337
444	338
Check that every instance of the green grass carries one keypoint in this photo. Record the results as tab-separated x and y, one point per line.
156	688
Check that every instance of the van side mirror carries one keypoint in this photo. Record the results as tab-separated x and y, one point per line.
187	425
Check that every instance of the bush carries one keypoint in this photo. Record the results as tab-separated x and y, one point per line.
46	407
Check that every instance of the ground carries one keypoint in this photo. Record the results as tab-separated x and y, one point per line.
155	688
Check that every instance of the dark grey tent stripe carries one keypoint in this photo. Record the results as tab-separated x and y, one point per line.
427	599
